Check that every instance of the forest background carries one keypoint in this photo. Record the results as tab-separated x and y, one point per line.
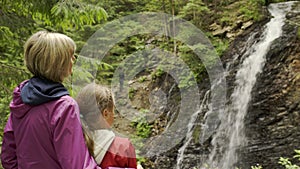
79	19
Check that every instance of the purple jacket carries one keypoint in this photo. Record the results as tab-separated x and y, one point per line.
46	135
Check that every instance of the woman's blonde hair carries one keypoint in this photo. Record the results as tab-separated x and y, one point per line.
49	55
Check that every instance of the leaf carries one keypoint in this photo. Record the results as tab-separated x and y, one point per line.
55	10
297	154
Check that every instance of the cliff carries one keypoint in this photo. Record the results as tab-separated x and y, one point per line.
271	124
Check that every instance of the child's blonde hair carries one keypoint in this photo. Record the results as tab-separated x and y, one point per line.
88	137
92	100
49	55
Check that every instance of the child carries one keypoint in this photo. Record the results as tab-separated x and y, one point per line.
97	110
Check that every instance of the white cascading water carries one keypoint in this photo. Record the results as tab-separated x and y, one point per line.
230	134
189	134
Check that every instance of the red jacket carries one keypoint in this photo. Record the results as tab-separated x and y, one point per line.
121	153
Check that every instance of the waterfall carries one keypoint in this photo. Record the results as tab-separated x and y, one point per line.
189	134
230	135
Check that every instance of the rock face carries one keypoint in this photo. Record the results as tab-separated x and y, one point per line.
272	123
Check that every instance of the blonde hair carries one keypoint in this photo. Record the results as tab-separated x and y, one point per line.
49	55
88	138
92	100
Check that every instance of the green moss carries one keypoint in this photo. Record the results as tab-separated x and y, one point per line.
196	134
142	79
131	93
276	1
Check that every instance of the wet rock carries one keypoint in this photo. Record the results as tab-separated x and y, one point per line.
247	25
273	120
279	124
221	32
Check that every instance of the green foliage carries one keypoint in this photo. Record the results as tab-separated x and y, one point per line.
220	45
158	72
252	9
70	13
194	11
297	154
284	162
143	129
142	126
226	19
105	73
19	19
287	163
142	79
10	77
169	7
187	81
256	167
131	93
5	33
196	133
117	9
192	60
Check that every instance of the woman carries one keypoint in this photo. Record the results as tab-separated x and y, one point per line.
43	130
97	109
